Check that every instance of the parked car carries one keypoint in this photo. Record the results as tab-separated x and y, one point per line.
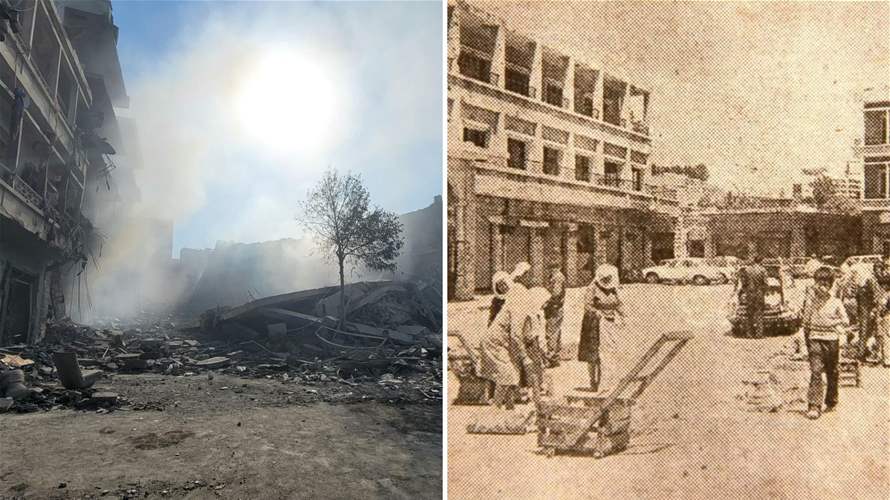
727	264
689	270
861	259
779	316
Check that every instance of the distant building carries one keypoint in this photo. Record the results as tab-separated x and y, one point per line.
548	160
875	156
847	184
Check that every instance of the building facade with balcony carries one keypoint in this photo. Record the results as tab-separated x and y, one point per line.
548	160
50	148
875	156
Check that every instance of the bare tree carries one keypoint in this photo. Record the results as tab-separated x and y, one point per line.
347	229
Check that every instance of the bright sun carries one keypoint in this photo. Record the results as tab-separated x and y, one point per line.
287	102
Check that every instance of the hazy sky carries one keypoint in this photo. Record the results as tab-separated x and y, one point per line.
242	105
773	85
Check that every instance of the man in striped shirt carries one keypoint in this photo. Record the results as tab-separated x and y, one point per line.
824	323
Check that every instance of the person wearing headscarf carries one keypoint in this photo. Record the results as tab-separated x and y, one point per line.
509	348
601	305
519	276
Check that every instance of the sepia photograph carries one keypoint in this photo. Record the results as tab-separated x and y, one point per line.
668	249
221	249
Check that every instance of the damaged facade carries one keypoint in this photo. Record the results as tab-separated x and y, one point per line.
54	104
545	150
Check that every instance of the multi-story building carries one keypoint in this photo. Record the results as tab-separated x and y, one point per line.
51	109
875	156
548	159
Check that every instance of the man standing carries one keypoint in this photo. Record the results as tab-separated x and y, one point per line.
824	320
752	296
556	285
868	291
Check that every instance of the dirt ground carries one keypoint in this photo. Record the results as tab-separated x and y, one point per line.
228	437
691	436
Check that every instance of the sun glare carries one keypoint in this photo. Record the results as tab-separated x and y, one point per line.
287	103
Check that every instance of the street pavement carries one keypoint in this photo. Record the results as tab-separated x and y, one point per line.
691	435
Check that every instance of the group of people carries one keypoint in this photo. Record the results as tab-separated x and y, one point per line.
524	334
838	298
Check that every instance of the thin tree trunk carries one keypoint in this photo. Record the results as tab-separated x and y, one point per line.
342	294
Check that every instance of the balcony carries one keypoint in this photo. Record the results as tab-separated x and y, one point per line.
533	171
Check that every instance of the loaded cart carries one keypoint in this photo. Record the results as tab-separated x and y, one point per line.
600	425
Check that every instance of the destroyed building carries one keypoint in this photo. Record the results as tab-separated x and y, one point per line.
235	273
51	119
545	150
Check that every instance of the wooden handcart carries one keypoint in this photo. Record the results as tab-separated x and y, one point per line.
600	425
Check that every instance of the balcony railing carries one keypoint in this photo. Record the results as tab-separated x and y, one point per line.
27	191
608	181
637	127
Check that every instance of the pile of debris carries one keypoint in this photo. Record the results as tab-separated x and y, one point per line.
276	338
390	323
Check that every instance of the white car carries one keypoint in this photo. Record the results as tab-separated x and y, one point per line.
728	265
861	259
688	270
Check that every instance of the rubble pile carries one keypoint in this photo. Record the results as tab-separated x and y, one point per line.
271	338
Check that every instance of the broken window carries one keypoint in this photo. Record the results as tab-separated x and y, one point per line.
476	136
516	151
551	160
875	127
875	181
46	50
582	168
67	93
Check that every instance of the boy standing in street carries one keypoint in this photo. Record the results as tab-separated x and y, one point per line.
824	323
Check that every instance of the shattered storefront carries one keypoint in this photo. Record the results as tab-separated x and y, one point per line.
33	274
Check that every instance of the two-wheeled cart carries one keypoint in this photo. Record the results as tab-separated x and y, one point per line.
600	425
